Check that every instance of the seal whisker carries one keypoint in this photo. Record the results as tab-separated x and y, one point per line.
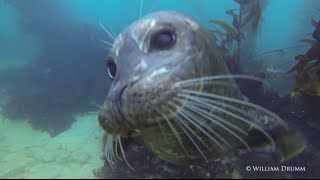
116	147
219	83
159	124
219	77
196	99
190	118
114	35
114	38
95	104
182	121
109	150
213	118
140	12
105	42
179	122
175	132
123	153
229	106
238	101
196	107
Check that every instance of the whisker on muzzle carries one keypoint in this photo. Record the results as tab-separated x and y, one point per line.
109	150
210	79
96	105
237	101
105	29
175	132
123	153
205	83
195	97
161	129
210	116
183	125
193	120
106	42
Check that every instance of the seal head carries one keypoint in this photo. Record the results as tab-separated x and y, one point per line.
171	88
145	62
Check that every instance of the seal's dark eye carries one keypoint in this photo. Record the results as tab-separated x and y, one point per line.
112	69
163	40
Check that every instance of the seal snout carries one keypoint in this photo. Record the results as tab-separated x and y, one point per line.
103	119
113	125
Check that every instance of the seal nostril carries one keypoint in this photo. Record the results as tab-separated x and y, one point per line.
122	90
121	93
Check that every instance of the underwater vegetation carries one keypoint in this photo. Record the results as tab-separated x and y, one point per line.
235	37
64	79
307	69
303	100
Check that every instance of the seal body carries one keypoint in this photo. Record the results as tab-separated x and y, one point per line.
146	63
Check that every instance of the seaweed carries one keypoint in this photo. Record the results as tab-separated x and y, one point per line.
240	33
307	78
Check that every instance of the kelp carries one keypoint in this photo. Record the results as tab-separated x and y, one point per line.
235	37
229	29
251	12
308	80
235	18
307	77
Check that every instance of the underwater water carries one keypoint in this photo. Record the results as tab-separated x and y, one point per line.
53	80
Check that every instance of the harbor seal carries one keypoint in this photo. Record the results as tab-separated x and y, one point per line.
171	88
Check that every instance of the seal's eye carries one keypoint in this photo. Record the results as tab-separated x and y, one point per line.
163	40
112	69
